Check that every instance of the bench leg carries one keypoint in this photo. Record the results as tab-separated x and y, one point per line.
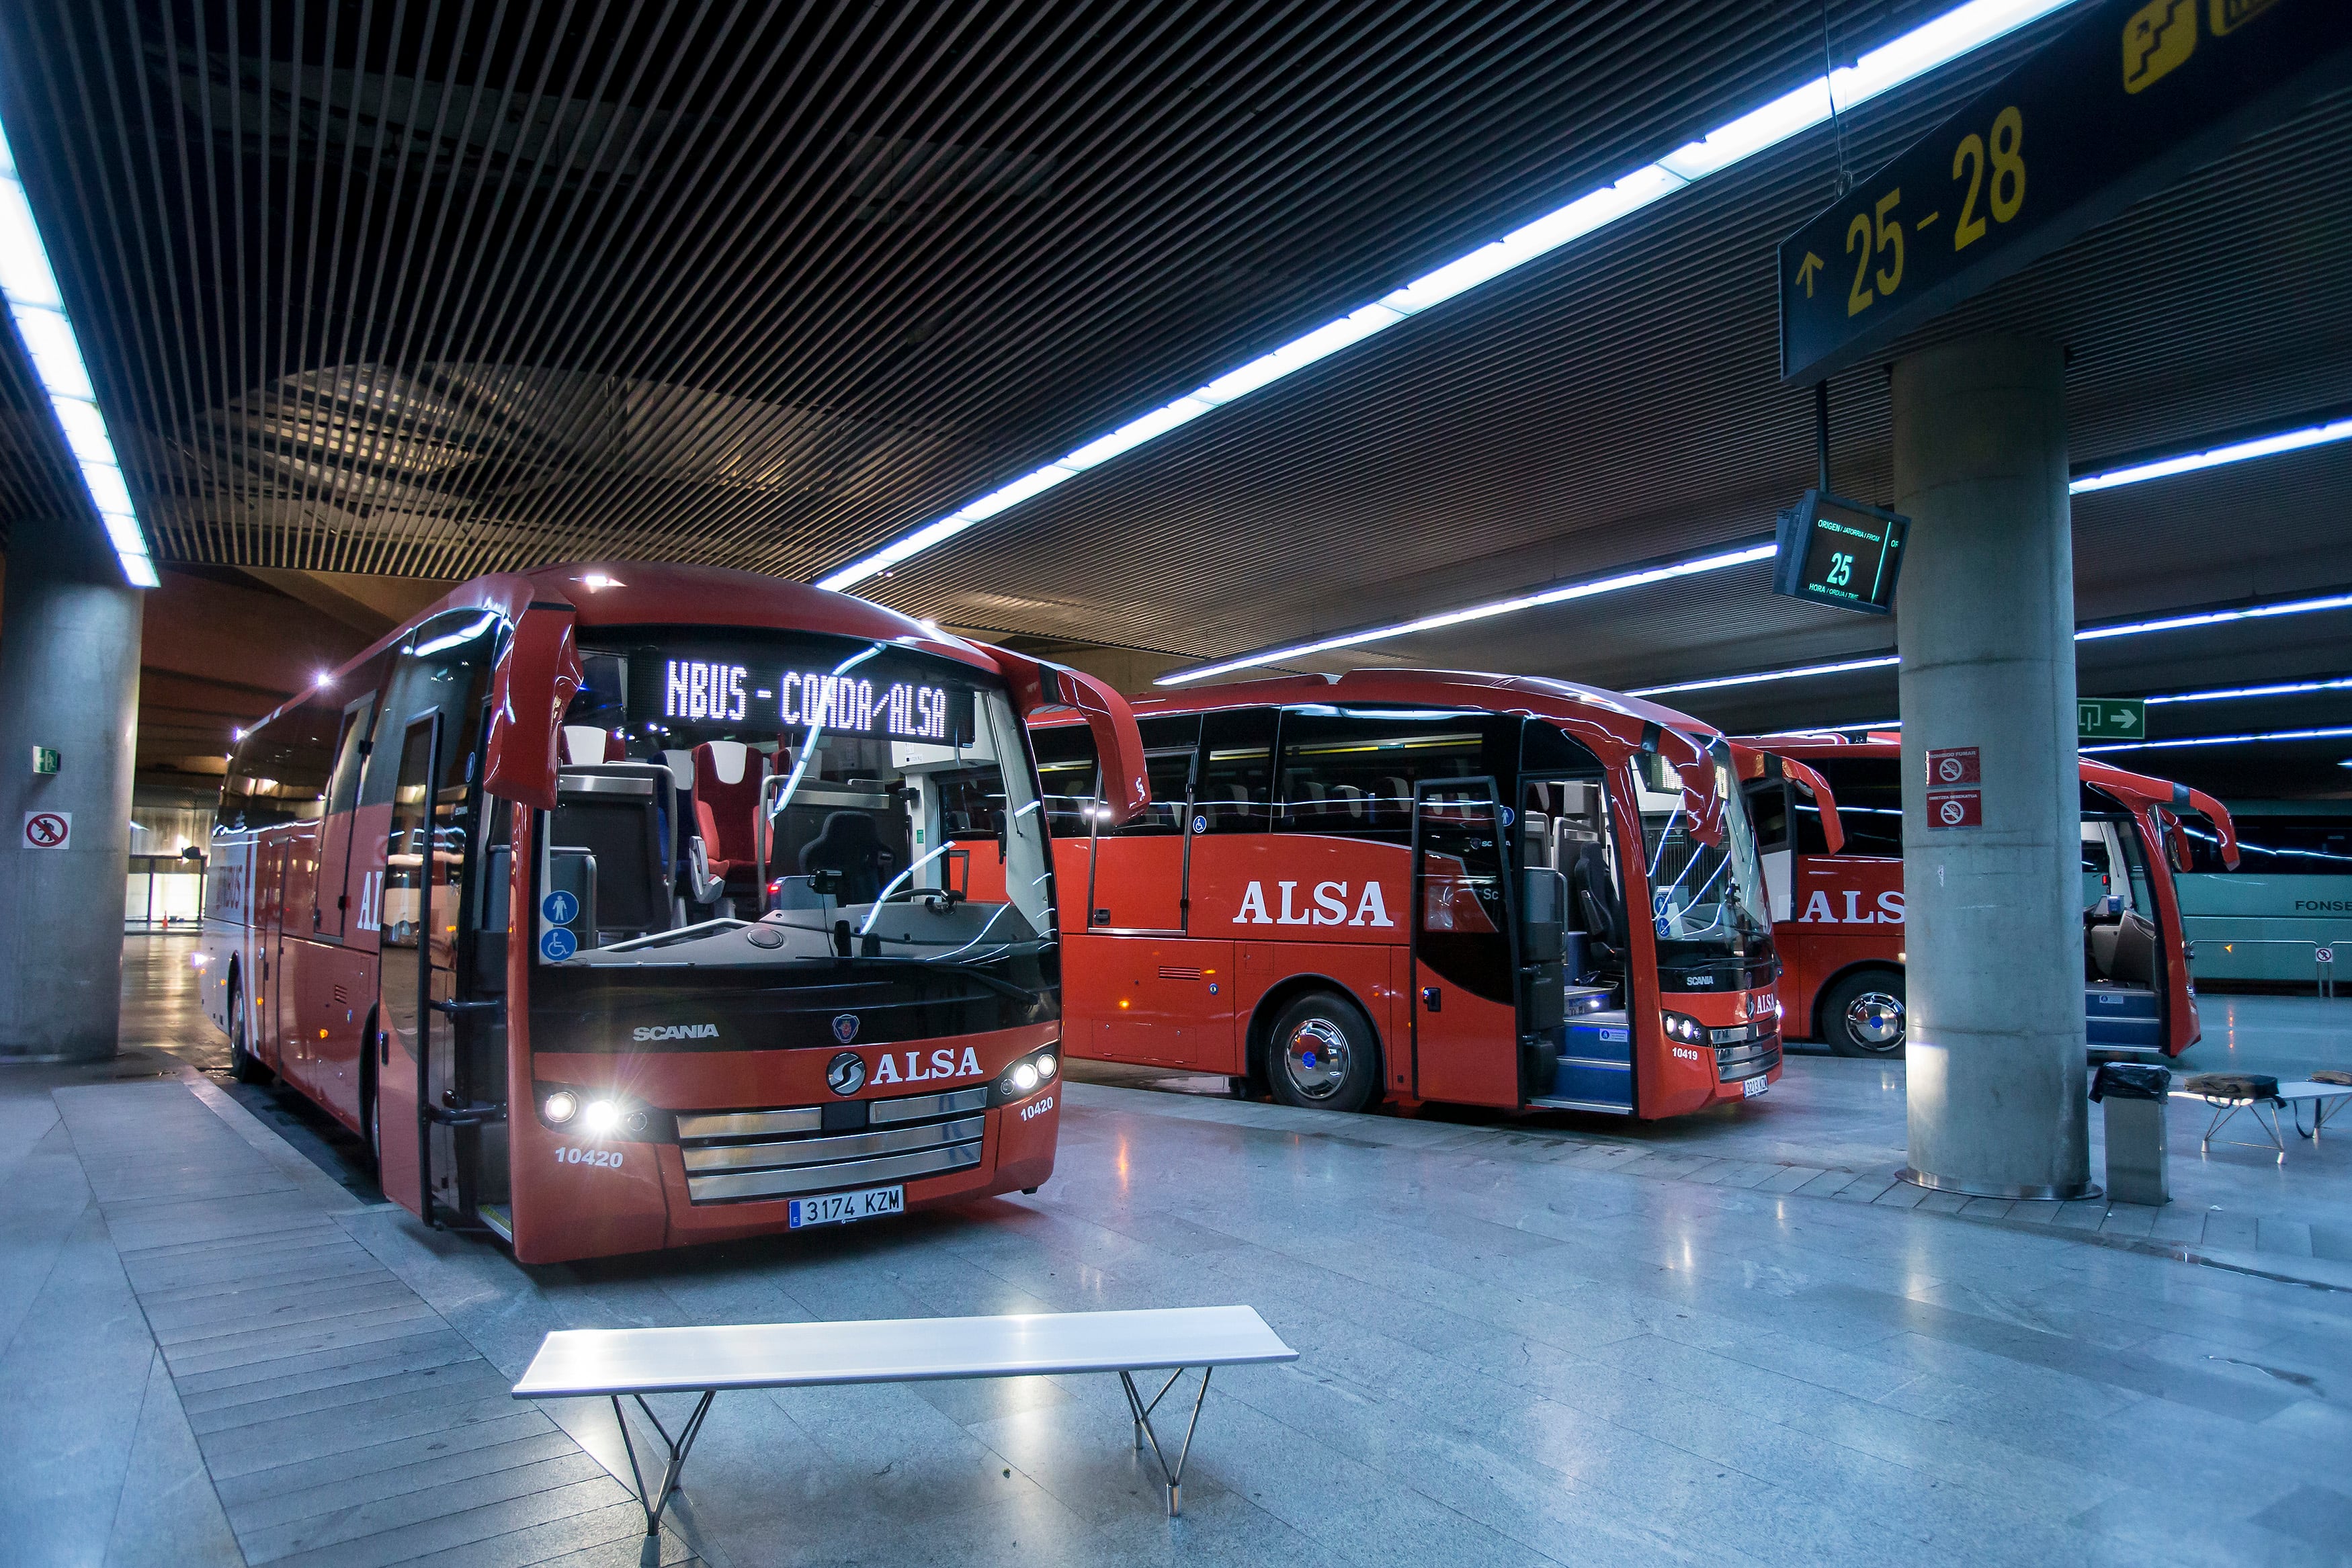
679	1446
1142	1412
2224	1110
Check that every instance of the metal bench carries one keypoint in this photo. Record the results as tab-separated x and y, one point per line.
2323	1099
612	1364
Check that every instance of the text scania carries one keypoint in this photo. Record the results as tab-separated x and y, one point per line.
1329	905
943	1064
676	1031
1888	913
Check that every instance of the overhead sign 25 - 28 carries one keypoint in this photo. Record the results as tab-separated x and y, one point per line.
2113	108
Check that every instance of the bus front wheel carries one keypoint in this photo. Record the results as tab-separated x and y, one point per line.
1866	1014
243	1065
1322	1056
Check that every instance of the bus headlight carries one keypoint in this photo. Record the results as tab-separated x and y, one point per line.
1024	1077
602	1117
560	1107
1684	1028
1047	1066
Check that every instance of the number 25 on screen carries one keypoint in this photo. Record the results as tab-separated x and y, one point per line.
1876	236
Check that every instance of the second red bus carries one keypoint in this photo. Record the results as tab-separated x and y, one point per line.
1411	886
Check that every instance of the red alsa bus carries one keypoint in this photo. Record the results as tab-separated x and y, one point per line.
632	905
1838	911
1421	886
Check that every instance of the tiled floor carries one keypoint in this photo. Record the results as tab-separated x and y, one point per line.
1519	1345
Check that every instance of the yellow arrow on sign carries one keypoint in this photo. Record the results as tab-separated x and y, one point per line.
1811	265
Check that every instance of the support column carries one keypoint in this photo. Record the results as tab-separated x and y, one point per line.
1994	920
69	681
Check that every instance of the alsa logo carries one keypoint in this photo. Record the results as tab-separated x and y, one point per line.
1331	906
943	1064
676	1031
1819	913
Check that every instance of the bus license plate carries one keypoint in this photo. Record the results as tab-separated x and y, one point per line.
843	1208
1749	1088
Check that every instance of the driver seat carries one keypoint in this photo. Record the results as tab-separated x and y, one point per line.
848	846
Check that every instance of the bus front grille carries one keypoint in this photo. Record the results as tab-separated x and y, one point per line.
738	1154
1734	1062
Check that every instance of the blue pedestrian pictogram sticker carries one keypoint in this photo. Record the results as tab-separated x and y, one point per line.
558	945
559	908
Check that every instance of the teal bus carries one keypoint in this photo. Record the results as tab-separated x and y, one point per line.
2291	894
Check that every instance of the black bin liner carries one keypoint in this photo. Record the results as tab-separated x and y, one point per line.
2130	1080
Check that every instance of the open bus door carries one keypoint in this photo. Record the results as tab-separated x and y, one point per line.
1463	971
439	1079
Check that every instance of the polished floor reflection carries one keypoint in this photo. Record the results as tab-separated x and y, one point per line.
1518	1348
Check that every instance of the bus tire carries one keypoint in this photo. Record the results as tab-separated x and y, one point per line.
1322	1054
243	1065
1864	1014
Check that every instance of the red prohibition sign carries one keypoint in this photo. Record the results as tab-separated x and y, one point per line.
45	830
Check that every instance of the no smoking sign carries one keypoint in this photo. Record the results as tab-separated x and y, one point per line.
47	830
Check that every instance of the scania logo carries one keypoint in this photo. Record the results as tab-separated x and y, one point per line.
845	1073
676	1031
845	1028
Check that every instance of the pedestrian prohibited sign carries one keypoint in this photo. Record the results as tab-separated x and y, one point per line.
47	830
2111	719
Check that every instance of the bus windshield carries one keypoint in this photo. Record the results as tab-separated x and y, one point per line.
782	802
1707	880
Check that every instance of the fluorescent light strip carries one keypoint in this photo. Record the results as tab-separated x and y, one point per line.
1590	588
2087	634
1842	667
38	309
2282	689
2335	733
1923	49
2218	456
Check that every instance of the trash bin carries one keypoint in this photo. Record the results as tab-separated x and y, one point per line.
2133	1096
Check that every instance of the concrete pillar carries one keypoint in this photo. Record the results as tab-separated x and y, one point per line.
1993	923
69	681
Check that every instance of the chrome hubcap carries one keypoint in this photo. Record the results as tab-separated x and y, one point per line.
1875	1020
1316	1057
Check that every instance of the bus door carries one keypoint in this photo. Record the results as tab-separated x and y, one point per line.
330	897
1138	870
1463	968
2124	1002
271	1037
439	1076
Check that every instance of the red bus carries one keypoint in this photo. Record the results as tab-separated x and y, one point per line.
629	906
1421	886
1837	910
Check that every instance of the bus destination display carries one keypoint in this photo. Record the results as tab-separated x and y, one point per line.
1841	552
699	690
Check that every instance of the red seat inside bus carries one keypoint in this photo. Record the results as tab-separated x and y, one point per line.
587	743
727	775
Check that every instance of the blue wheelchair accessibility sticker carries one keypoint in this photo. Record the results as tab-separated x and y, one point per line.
558	945
559	908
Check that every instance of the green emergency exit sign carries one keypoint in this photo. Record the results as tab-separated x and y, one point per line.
2111	719
45	760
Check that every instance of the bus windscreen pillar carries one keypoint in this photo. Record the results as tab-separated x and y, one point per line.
70	634
1991	810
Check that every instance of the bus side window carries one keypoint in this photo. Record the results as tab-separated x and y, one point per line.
1236	788
1869	792
1066	773
1169	743
1352	775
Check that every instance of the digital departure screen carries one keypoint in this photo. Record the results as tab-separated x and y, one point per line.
1841	552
